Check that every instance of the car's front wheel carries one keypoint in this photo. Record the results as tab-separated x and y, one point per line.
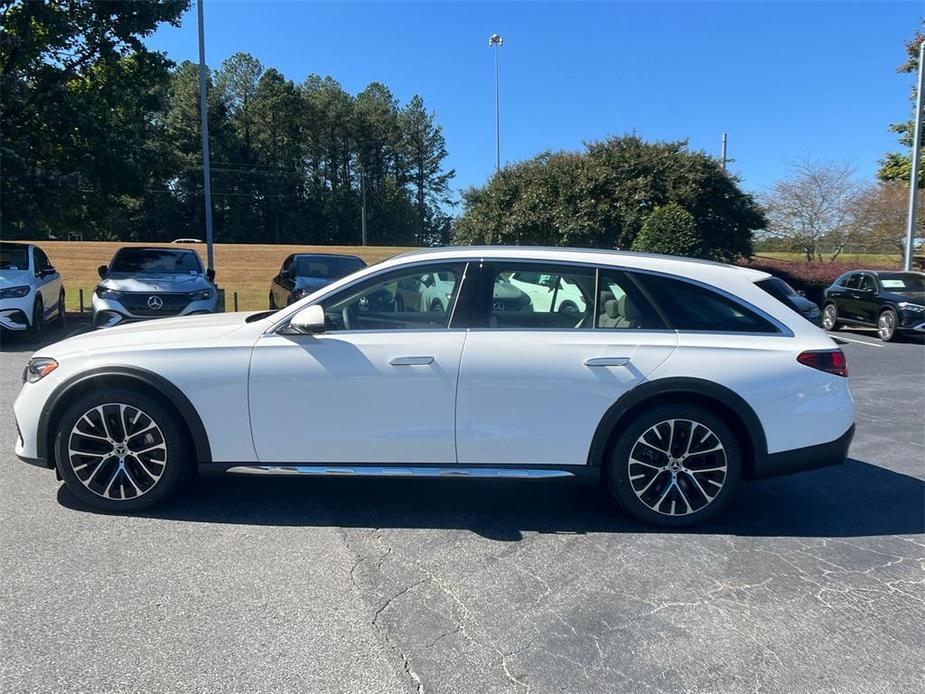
674	465
38	317
121	450
886	325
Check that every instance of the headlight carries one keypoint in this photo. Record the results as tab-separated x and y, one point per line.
105	293
201	295
914	308
13	292
38	368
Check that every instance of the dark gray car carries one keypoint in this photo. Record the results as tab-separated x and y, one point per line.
304	273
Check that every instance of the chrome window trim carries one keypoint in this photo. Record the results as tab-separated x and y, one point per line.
782	329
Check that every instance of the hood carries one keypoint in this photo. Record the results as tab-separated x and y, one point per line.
154	282
912	297
15	278
167	332
311	283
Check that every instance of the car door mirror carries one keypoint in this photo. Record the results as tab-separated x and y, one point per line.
308	321
101	271
428	280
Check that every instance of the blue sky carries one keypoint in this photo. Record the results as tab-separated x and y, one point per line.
786	80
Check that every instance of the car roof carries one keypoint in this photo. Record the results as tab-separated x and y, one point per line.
309	254
687	267
156	248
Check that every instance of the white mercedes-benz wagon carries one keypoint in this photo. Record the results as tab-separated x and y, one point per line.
668	380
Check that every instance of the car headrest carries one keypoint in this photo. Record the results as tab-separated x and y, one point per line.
612	308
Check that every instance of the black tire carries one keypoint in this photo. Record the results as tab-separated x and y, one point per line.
830	317
887	324
649	486
133	486
61	318
38	317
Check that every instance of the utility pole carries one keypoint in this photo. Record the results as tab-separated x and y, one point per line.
363	208
496	42
724	159
916	151
204	119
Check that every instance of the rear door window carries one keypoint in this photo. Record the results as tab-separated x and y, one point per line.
527	295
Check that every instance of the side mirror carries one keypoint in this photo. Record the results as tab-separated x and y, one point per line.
210	274
428	280
308	321
101	270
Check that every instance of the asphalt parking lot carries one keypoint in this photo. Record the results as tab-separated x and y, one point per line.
812	583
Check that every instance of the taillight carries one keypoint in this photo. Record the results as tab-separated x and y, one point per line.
829	360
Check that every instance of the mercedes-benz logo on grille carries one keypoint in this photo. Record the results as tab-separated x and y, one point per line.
497	306
155	303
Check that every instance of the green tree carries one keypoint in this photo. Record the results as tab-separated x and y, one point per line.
669	229
897	166
80	96
600	198
424	150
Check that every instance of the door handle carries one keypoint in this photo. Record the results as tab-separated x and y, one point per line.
411	361
607	361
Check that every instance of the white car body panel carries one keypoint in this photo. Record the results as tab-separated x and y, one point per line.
206	357
514	407
524	396
338	398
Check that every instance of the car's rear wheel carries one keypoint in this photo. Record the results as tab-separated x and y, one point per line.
886	325
121	450
674	465
830	317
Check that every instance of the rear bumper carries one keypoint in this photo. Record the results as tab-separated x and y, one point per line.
809	458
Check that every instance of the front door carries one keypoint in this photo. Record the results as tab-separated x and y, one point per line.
535	382
378	386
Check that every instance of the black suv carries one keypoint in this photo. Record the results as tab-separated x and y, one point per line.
893	302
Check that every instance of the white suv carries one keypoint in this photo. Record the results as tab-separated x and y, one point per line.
31	291
672	382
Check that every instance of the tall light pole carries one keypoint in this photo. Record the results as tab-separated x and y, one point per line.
495	41
916	156
204	127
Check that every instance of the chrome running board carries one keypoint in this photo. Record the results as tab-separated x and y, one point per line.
399	471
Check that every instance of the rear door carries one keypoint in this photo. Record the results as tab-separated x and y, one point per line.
535	382
867	301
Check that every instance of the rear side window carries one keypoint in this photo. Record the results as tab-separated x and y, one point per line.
692	307
540	296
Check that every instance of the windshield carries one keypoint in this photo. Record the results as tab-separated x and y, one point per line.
14	258
157	260
328	267
902	282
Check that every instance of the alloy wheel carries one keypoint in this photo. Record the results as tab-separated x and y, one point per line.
117	451
886	325
829	317
677	467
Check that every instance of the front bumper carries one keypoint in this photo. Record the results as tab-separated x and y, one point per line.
808	458
16	314
110	312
